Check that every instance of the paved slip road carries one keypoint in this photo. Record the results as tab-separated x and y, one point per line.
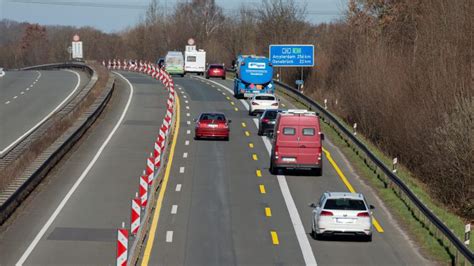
219	210
28	97
84	230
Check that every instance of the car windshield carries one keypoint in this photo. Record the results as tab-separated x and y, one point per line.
218	117
345	204
265	98
271	114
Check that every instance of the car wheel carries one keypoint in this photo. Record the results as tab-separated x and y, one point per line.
318	171
273	169
223	78
260	133
368	238
227	138
250	112
207	77
197	138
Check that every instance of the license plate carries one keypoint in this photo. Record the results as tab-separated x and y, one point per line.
213	125
289	159
344	221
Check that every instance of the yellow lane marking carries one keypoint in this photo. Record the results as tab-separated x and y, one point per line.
275	240
251	145
268	212
262	189
255	157
164	184
244	125
236	109
349	186
232	103
228	98
247	133
259	173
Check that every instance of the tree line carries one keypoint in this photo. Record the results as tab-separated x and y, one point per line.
402	70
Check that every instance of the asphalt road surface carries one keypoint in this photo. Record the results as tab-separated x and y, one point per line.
28	98
222	206
73	216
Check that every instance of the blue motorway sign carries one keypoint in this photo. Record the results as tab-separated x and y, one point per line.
292	55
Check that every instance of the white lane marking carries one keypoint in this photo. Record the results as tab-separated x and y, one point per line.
47	116
78	181
27	89
169	236
186	101
14	97
188	122
185	155
22	92
178	187
181	169
188	131
7	102
182	92
188	114
290	203
174	209
184	96
187	107
218	89
186	142
179	88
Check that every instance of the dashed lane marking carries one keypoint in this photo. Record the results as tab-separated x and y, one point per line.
275	240
186	142
181	169
185	155
258	173
178	187
188	122
244	125
247	133
251	145
262	189
174	209
188	131
268	212
236	109
255	157
169	236
7	102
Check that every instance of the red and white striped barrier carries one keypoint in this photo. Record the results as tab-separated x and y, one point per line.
136	211
150	169
122	246
143	189
157	154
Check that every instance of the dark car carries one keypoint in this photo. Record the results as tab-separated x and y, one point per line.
267	122
212	125
215	71
160	62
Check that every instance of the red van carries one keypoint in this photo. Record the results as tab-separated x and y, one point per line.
297	142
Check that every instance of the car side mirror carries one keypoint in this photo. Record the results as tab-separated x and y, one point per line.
194	119
279	100
229	121
371	207
312	205
259	115
322	136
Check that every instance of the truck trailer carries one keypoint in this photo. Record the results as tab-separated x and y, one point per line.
254	75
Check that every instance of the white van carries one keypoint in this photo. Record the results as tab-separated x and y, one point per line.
174	63
194	60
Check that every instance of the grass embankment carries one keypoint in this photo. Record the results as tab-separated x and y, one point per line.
429	243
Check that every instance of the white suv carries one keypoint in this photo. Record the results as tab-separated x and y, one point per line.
262	102
342	213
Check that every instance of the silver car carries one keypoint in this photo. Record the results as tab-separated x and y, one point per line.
342	213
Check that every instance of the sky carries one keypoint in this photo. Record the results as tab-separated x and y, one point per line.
114	16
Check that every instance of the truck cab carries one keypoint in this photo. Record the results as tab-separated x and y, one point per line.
297	142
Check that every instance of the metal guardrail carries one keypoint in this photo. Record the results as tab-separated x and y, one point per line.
441	231
418	209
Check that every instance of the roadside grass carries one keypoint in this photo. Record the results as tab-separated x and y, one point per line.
429	243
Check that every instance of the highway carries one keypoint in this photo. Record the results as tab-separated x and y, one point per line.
72	217
28	98
221	205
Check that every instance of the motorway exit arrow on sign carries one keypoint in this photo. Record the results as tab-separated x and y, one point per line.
292	55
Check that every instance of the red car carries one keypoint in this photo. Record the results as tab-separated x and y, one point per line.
215	71
212	125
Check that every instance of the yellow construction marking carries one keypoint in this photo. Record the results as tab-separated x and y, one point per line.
274	238
247	133
232	103
164	184
349	186
268	212
251	145
254	157
259	173
228	98
262	189
243	124
236	109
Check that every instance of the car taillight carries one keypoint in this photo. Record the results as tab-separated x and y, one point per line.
275	104
254	103
326	213
363	214
265	120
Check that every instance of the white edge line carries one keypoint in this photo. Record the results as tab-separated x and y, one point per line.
290	203
47	116
78	181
